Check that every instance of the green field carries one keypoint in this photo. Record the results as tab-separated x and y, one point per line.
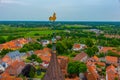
26	32
43	32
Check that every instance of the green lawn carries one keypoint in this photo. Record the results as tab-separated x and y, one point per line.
42	32
26	32
5	37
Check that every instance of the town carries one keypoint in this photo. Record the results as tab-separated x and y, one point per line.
84	52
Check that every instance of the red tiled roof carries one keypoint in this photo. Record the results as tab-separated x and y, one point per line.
10	78
44	54
101	63
118	52
6	59
76	46
95	58
15	68
90	76
105	49
76	78
111	59
45	58
5	74
13	44
93	73
63	62
80	56
47	50
89	63
111	73
38	52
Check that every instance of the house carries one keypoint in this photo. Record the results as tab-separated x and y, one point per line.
97	31
12	56
58	37
118	69
106	49
77	47
101	64
81	57
2	69
111	73
44	54
13	71
14	44
111	60
63	62
10	78
5	65
45	42
92	73
15	68
95	58
45	64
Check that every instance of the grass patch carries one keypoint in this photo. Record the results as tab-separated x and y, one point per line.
40	76
27	61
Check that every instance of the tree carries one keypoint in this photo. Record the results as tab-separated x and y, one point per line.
23	49
90	52
38	60
73	68
115	42
116	78
9	38
4	52
89	42
35	58
36	34
110	53
31	46
68	43
76	67
49	45
2	40
95	49
32	72
82	67
101	55
60	48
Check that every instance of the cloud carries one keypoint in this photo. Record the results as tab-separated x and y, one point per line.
12	2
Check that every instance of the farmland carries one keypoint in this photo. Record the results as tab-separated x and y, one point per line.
25	32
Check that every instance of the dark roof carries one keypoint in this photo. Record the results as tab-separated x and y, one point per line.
54	72
15	54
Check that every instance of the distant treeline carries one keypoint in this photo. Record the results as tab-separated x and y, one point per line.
57	23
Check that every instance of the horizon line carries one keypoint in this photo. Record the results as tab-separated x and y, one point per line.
58	21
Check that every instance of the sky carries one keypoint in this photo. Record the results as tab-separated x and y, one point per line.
66	10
